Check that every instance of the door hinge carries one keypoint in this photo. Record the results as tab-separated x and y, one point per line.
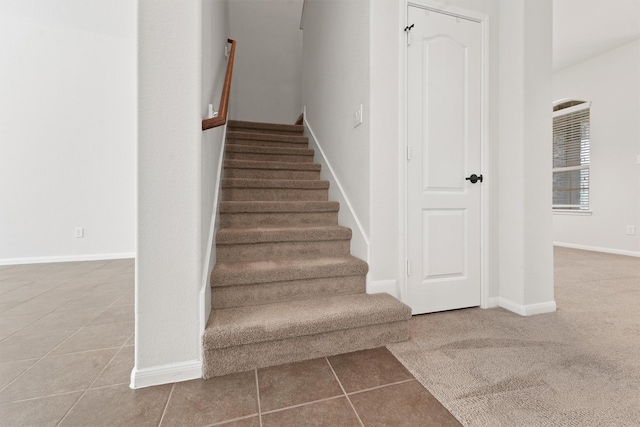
408	152
407	30
408	268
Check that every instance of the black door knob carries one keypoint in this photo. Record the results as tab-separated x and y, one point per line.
474	178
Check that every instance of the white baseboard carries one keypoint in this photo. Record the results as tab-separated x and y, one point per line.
527	310
360	246
598	249
166	374
493	302
380	286
67	258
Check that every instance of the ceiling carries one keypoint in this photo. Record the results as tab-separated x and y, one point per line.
585	28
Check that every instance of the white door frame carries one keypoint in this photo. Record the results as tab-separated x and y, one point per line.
483	19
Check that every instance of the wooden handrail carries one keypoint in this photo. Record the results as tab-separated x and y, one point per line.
224	99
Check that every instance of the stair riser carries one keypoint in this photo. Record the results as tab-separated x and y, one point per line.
281	250
268	293
222	361
264	131
258	136
270	173
277	219
274	194
257	276
264	157
261	143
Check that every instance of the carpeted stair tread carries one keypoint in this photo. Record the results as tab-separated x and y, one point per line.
273	137
231	236
268	154
265	127
246	325
260	142
247	272
237	148
305	184
270	165
278	207
278	219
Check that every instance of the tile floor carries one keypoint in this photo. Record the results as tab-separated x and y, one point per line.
66	352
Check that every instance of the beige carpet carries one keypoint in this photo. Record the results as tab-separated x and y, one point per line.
285	287
579	366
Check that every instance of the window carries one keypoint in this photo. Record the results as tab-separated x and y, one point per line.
571	157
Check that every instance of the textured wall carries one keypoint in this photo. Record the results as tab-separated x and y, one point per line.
525	233
335	82
181	70
610	81
267	81
67	133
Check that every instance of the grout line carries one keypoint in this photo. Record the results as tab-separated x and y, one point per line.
59	344
303	404
258	395
49	290
87	351
66	339
42	397
26	326
58	308
92	383
84	325
108	385
231	420
166	405
343	391
382	386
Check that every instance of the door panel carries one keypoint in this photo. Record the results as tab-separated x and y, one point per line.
444	233
444	134
444	62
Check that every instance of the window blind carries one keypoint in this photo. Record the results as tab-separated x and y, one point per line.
571	157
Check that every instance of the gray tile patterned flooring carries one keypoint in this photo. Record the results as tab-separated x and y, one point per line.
66	354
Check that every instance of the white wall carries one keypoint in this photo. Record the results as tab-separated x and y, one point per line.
268	67
610	81
386	152
525	233
179	74
67	133
168	267
335	82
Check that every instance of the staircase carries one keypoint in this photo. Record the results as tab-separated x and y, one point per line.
285	287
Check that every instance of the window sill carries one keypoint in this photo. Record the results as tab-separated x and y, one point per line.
571	212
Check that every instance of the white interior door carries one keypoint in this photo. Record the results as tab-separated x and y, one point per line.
444	137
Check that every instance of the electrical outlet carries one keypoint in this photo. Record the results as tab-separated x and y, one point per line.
631	230
79	232
357	117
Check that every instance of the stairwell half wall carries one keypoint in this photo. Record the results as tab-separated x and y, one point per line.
360	246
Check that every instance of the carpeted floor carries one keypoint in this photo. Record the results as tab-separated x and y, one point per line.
579	366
